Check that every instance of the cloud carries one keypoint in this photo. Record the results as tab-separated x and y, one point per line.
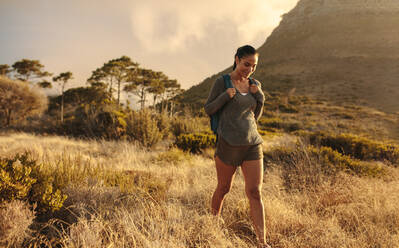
175	24
188	40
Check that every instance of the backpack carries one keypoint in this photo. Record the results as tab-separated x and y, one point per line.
216	116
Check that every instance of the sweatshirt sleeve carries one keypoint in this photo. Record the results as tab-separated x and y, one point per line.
260	99
217	97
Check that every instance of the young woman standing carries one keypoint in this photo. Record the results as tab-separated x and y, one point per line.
239	143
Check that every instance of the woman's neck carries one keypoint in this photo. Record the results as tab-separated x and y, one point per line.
236	77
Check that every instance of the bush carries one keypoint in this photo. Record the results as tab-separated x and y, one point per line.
163	124
334	161
181	126
23	179
195	142
16	217
92	120
143	127
18	101
323	160
287	108
271	124
355	146
268	132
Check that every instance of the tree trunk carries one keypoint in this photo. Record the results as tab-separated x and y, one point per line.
119	91
111	85
142	98
171	108
8	116
62	108
155	100
62	103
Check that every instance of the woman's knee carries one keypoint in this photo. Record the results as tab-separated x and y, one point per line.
254	193
224	189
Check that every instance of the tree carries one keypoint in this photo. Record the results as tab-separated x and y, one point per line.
157	88
4	70
76	97
45	84
28	69
158	85
172	89
140	83
63	78
116	71
163	88
18	101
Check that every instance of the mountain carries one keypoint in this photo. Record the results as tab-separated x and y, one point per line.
343	51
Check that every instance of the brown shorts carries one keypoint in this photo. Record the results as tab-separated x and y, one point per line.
236	155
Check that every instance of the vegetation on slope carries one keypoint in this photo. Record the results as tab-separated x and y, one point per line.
123	195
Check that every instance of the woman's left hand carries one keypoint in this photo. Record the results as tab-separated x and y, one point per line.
253	88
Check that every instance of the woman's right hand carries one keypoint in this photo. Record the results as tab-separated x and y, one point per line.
231	92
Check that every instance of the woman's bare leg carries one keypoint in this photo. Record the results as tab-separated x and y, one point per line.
225	175
253	174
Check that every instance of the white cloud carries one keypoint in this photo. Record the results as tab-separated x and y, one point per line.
174	24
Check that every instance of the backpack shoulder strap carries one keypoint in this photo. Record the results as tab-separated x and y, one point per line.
252	81
227	81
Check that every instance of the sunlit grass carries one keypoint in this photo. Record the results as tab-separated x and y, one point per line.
333	211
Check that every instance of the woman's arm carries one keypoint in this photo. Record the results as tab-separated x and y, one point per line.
260	99
218	96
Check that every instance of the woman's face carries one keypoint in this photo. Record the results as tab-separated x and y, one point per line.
246	65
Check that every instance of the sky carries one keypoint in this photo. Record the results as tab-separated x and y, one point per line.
187	40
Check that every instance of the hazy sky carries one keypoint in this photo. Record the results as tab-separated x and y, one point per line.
187	40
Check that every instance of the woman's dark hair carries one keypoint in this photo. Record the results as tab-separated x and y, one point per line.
244	51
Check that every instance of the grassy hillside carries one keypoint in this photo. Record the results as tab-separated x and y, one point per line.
289	112
293	113
122	195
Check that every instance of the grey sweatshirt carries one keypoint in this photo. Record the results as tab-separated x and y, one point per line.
237	123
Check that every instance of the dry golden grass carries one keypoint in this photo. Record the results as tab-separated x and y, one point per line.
341	211
16	217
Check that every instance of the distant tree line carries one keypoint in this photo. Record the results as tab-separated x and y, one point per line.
103	91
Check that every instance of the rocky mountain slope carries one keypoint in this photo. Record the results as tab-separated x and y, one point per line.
344	51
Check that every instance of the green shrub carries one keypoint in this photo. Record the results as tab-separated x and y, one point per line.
164	124
269	114
327	160
96	120
271	124
269	132
279	154
195	142
287	108
22	179
143	127
355	146
181	125
347	116
334	161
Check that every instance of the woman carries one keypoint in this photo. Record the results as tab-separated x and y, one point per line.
239	143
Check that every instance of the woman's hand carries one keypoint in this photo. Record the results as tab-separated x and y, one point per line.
231	92
253	88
